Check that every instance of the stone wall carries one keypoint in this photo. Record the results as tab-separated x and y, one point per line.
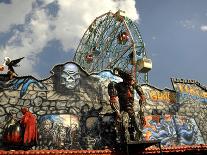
85	97
49	97
188	111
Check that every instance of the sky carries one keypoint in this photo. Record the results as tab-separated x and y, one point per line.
47	32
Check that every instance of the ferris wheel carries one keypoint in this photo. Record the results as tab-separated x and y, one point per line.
113	40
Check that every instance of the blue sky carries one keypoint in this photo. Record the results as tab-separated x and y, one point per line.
47	32
175	34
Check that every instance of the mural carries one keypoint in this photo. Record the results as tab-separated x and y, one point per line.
65	131
73	111
160	101
187	131
192	92
156	95
59	131
172	130
192	97
70	78
21	83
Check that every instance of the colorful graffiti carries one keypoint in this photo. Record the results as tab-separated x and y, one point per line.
76	114
164	96
155	95
191	91
187	131
172	130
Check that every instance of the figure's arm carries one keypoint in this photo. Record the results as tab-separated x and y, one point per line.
142	101
140	93
113	97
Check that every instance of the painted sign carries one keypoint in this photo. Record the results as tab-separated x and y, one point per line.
190	90
156	95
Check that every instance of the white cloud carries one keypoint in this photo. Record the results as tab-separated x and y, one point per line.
68	25
204	28
76	16
29	42
14	13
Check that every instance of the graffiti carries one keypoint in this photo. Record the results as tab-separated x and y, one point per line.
188	81
191	92
192	89
160	128
156	95
172	130
187	131
81	118
164	96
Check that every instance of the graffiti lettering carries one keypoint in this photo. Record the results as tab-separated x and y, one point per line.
192	90
162	96
187	81
184	80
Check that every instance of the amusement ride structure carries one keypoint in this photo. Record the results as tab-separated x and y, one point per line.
113	40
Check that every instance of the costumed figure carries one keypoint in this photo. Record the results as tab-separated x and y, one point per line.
10	64
122	102
74	137
29	125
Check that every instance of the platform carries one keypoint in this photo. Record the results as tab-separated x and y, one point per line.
134	147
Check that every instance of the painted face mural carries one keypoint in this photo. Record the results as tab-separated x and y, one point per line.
70	77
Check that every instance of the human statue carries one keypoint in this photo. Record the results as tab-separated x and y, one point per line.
122	102
29	126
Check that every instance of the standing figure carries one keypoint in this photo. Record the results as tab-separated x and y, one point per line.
10	64
122	102
29	125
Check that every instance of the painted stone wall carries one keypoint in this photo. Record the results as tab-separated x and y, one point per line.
69	93
192	99
73	110
176	117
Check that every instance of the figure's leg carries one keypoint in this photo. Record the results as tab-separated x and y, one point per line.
136	124
118	132
125	122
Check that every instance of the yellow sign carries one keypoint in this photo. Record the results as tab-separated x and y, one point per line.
164	96
192	90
